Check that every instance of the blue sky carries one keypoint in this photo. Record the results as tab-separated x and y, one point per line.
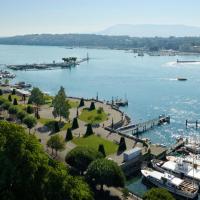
88	16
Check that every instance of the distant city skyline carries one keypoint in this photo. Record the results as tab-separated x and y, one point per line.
18	17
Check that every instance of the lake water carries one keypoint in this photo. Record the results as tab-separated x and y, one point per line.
149	82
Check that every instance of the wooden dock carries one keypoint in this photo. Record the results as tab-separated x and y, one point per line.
138	128
192	124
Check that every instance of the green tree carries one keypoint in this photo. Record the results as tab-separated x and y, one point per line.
29	109
13	92
122	145
12	110
69	135
82	103
60	105
6	81
37	97
158	194
1	92
89	130
102	150
75	123
6	105
10	97
21	115
105	172
56	127
92	106
30	122
27	172
56	142
15	102
80	157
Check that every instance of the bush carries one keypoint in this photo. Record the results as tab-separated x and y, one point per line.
56	127
15	102
21	115
82	103
92	106
13	92
69	135
102	150
89	130
1	92
81	157
29	109
122	145
10	98
6	105
100	110
12	110
75	123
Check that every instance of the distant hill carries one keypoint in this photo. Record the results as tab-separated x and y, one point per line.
151	30
104	41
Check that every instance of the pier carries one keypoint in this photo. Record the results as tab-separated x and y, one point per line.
67	63
192	124
142	127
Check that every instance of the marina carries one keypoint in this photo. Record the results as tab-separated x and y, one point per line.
101	74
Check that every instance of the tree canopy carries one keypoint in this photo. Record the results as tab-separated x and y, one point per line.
56	142
60	105
81	157
26	172
105	172
158	194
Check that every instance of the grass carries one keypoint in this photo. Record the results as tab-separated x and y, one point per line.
93	116
94	141
5	96
49	123
73	104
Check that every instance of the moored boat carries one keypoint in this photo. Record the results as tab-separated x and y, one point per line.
179	168
181	79
173	184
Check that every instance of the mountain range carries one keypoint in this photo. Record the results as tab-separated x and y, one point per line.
152	30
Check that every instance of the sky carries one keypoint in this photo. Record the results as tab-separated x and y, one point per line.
18	17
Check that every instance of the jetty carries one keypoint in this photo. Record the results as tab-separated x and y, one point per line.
192	124
67	63
142	127
187	61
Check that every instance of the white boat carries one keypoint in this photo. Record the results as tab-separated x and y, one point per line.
179	168
173	184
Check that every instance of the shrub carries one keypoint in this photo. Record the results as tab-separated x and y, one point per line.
15	102
29	109
1	92
100	110
12	110
82	103
6	105
13	92
102	150
21	115
122	145
69	135
92	106
75	123
89	130
10	98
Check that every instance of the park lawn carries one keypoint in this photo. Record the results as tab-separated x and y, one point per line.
73	104
5	96
48	122
92	116
94	141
